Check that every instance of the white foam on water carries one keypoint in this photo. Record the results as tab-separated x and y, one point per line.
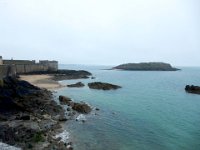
63	135
4	146
81	117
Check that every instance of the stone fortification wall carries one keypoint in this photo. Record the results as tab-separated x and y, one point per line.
52	65
12	70
18	62
13	67
35	68
7	70
31	68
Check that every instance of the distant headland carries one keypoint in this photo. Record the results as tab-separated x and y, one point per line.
146	66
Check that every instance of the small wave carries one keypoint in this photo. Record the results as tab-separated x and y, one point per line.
4	146
81	117
63	135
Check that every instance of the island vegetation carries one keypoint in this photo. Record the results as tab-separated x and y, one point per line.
146	66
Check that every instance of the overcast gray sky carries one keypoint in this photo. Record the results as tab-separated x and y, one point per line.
107	32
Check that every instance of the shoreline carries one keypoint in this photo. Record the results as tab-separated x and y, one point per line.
33	108
42	81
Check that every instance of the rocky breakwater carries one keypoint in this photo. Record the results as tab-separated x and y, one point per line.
192	89
103	86
29	117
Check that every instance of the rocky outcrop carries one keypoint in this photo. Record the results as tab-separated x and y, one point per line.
150	66
103	86
192	89
82	108
70	74
64	100
29	116
79	107
63	74
78	84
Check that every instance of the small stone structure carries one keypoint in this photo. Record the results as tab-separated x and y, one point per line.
13	67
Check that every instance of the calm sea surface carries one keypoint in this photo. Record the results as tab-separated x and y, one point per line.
151	112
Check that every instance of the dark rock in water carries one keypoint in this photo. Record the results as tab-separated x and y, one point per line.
64	100
150	66
192	89
92	77
97	109
103	86
71	74
82	108
78	84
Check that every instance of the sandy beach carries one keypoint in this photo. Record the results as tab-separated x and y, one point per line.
42	81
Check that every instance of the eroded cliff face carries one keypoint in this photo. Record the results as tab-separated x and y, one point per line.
151	66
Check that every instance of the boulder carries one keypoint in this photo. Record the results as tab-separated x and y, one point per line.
103	86
82	108
64	100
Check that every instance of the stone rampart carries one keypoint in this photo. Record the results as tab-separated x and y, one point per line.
13	67
7	70
18	62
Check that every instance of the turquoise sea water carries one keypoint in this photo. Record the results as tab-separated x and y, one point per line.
151	112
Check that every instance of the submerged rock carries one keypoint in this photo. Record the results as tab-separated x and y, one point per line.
103	86
78	84
192	89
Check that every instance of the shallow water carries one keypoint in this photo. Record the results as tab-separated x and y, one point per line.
151	112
